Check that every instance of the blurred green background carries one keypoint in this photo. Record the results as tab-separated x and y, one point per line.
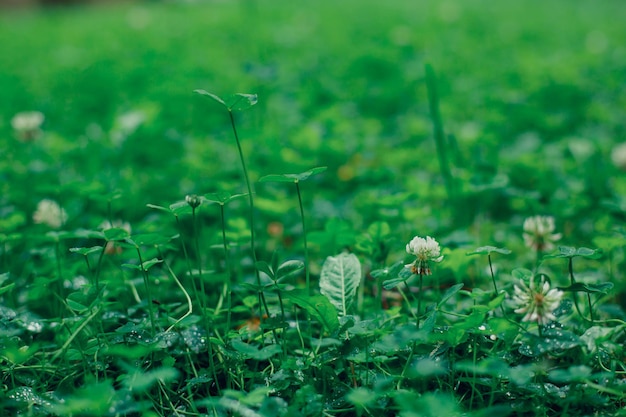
532	98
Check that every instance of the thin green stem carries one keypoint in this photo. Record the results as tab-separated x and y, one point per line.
196	240
180	285
590	307
229	292
493	276
406	300
440	140
202	296
570	267
59	281
306	247
188	262
262	300
99	266
146	281
419	299
493	279
70	339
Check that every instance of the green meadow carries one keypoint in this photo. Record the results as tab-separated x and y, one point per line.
267	208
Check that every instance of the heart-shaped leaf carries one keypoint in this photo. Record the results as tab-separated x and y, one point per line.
292	177
486	250
238	101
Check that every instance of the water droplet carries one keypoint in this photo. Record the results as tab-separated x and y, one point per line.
27	395
195	339
166	339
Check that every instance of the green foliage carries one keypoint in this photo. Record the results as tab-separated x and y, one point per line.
339	280
204	303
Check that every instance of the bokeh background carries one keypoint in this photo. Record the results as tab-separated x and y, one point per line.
532	97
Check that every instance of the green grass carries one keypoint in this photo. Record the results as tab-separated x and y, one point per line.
161	316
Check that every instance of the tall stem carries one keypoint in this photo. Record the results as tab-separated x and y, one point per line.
306	247
146	282
188	262
251	201
419	298
570	268
493	278
229	293
440	139
198	256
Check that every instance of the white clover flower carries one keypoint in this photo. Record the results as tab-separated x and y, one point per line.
425	251
538	233
618	156
27	124
537	304
50	213
193	200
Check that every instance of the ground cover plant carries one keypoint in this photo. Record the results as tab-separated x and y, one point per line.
260	209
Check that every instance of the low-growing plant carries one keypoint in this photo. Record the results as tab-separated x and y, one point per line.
202	318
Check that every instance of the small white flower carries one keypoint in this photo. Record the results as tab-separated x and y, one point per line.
537	304
538	233
425	251
50	213
193	200
27	124
618	156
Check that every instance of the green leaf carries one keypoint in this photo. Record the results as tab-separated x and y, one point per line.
571	252
238	101
609	242
154	206
448	294
292	177
115	233
486	250
278	178
289	268
553	340
151	239
339	280
129	351
180	207
318	306
86	251
567	251
76	306
253	352
337	234
403	275
211	95
139	381
379	230
361	397
144	266
603	288
222	197
522	274
8	287
595	336
589	253
149	264
264	267
572	374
